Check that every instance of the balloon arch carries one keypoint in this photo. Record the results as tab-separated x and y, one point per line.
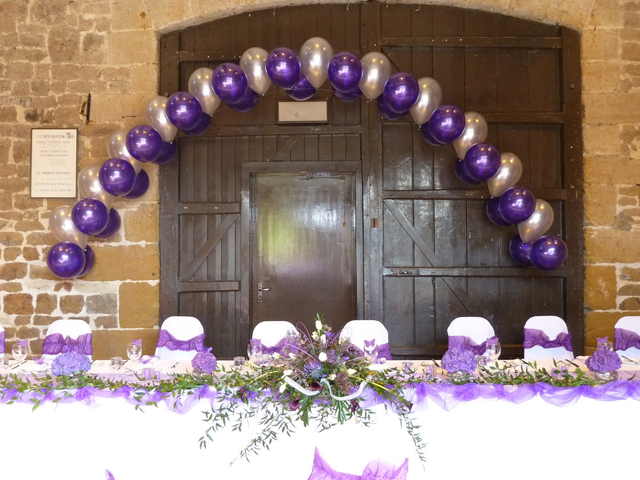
239	86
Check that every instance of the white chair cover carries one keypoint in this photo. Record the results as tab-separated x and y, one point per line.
71	328
2	341
477	329
551	326
270	333
181	328
633	324
360	330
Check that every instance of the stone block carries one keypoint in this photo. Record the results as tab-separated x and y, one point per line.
611	246
130	15
46	303
600	287
104	303
601	324
41	272
600	204
49	12
142	224
630	51
627	201
11	253
63	44
12	271
601	139
120	51
111	343
8	114
14	184
631	303
139	305
600	44
611	107
22	320
113	108
165	13
18	304
30	254
131	262
612	169
28	226
5	201
28	332
632	289
108	321
633	191
8	239
144	78
606	13
44	319
10	287
42	238
71	303
630	274
60	286
19	71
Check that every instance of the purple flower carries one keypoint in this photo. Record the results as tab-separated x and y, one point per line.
314	386
294	404
313	369
355	406
459	359
70	363
603	360
204	362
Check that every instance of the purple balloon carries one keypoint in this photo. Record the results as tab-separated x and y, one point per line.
144	143
462	174
482	161
247	103
426	135
520	251
139	188
548	252
401	92
90	260
167	154
351	96
201	127
66	260
345	72
117	176
113	225
184	110
283	67
446	123
303	90
517	204
494	213
229	83
385	111
90	216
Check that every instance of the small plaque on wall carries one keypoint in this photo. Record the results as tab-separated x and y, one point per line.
54	162
302	112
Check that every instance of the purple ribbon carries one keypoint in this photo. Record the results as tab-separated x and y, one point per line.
533	337
137	342
24	343
626	339
2	337
109	475
56	343
466	342
165	339
277	348
375	470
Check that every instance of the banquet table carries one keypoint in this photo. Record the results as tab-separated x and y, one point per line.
482	437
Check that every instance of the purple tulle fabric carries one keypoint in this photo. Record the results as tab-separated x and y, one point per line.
533	337
384	351
626	339
165	339
375	470
2	337
467	342
56	343
277	348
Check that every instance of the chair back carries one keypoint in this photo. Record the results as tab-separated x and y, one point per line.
2	339
67	335
477	329
555	329
362	332
271	334
180	338
627	335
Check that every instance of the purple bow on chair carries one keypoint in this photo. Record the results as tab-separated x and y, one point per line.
56	343
165	339
2	337
466	342
626	339
383	349
283	344
533	337
23	343
137	342
375	470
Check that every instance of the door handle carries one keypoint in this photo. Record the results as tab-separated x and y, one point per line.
260	290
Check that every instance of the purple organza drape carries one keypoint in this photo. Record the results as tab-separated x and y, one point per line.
2	337
375	470
533	337
466	342
56	343
626	339
165	339
384	351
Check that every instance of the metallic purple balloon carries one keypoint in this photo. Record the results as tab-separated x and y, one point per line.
283	67
143	143
517	204
345	72
446	123
426	135
66	260
520	251
90	216
117	176
229	83
385	111
462	174
184	110
90	260
494	213
140	187
401	92
113	225
303	90
351	96
167	154
548	252
249	101
201	127
482	161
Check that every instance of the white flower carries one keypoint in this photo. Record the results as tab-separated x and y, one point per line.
351	371
318	325
332	376
323	338
276	355
283	387
314	335
287	373
292	356
322	357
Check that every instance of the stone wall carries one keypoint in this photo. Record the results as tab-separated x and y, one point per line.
54	52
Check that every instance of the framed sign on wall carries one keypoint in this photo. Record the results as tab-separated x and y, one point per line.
54	162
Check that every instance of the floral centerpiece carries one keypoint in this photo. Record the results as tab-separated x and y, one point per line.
70	363
460	362
204	362
604	363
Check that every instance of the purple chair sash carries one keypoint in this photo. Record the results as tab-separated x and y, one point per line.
55	343
277	348
375	470
463	341
384	351
626	339
2	337
165	339
533	337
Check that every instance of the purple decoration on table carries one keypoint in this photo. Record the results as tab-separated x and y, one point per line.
109	475
70	363
401	92
350	96
468	343
90	216
520	251
137	343
534	336
184	110
460	358
460	170
23	343
230	83
626	339
141	185
2	338
517	204
57	343
90	260
426	135
494	214
482	161
246	103
345	72
385	111
374	470
548	252
143	143
446	123
603	360
204	362
167	154
113	225
283	67
165	339
303	90
66	260
117	176
199	128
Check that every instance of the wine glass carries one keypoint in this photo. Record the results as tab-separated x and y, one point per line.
134	352
254	351
19	352
606	344
493	351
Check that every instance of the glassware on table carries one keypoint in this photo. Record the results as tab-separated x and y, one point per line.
134	352
371	350
254	351
492	352
607	345
19	352
238	363
116	363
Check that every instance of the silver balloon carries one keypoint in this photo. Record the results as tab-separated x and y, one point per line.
475	131
156	115
117	148
315	55
508	175
538	223
429	98
254	65
201	86
376	70
89	186
63	228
